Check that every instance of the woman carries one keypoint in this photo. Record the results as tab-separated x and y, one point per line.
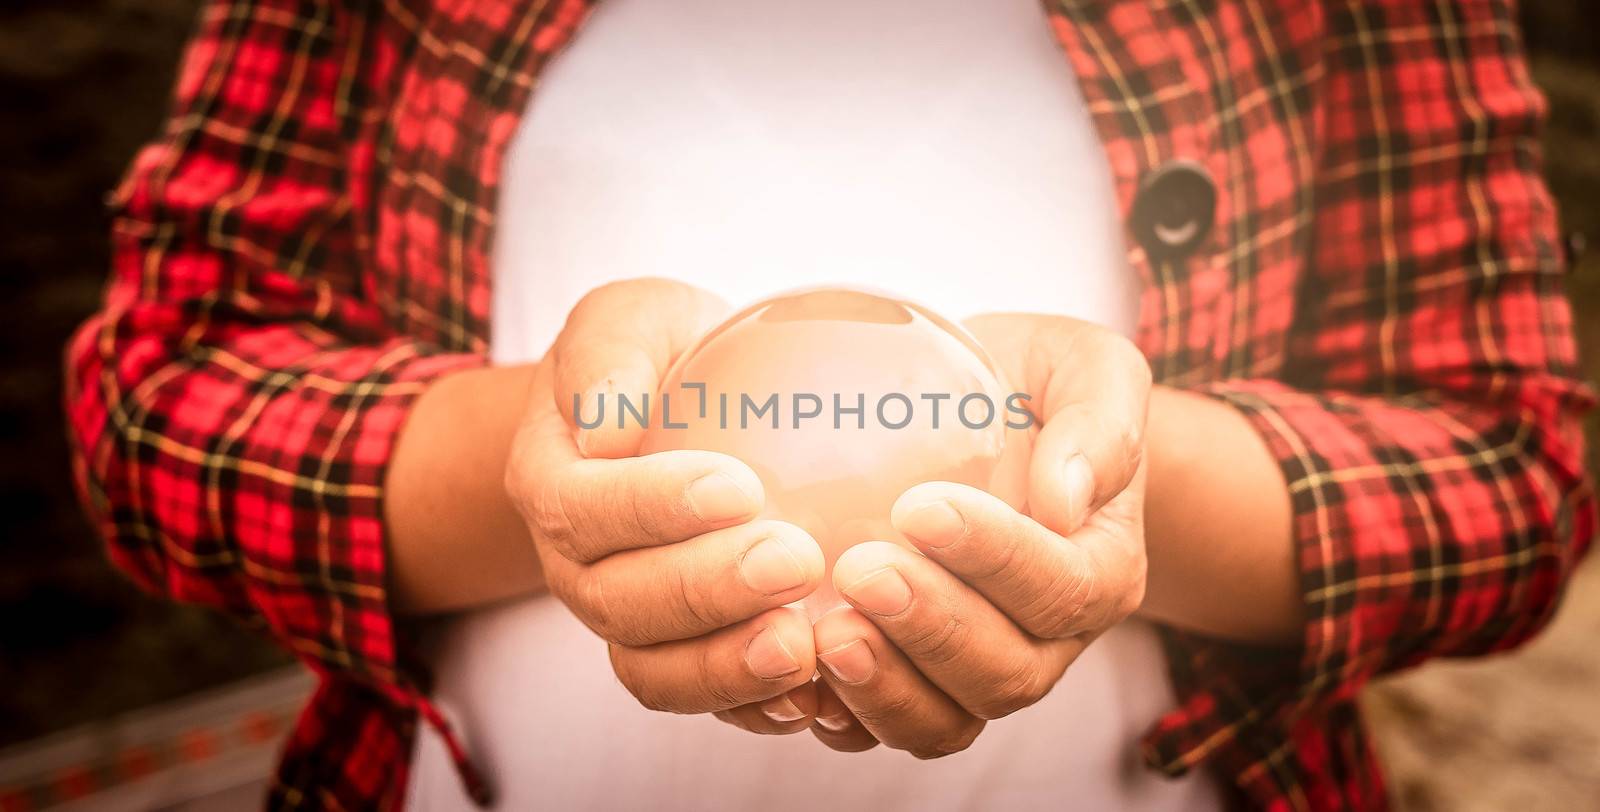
1362	449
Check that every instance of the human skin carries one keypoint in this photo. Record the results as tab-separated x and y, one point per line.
1185	517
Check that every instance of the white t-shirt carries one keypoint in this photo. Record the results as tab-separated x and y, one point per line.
935	149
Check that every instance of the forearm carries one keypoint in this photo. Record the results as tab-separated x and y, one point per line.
1217	524
455	540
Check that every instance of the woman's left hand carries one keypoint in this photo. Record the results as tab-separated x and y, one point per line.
984	625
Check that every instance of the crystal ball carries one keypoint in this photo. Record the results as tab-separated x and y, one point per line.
840	400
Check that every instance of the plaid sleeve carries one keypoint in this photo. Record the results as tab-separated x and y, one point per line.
1429	422
234	403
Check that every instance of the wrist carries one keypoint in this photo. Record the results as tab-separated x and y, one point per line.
1172	458
1217	523
455	540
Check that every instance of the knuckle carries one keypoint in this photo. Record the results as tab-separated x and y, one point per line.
886	711
1131	358
1123	354
1057	336
1133	596
601	298
966	735
1062	607
998	557
552	520
651	697
718	689
697	607
847	743
1126	431
1018	688
628	636
1130	441
1125	436
646	693
648	519
719	695
587	599
1135	458
947	743
520	481
937	644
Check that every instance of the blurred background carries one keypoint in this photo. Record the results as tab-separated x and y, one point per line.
85	82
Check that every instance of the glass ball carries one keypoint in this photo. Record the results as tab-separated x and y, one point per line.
840	400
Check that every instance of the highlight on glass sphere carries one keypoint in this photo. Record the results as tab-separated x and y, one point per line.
840	400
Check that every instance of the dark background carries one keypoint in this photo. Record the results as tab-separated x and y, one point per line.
84	82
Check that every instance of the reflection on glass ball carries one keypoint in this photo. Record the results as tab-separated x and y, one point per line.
840	400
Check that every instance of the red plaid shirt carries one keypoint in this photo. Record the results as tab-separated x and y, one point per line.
306	245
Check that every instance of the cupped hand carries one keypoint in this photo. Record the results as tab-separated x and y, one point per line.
661	555
987	621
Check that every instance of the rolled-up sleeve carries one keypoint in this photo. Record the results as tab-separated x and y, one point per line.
1428	420
234	403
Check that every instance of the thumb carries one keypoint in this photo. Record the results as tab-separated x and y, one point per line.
618	343
1090	388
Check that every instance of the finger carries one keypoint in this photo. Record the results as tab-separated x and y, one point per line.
1044	583
619	340
589	508
885	692
960	641
1082	457
752	661
1113	539
683	590
1090	387
786	713
835	726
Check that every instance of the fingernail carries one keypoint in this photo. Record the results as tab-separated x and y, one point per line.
768	658
837	724
1079	479
936	523
781	709
719	497
852	663
882	593
770	567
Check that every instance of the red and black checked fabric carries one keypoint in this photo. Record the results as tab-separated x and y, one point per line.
306	245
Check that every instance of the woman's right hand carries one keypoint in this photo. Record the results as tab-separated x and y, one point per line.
660	555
